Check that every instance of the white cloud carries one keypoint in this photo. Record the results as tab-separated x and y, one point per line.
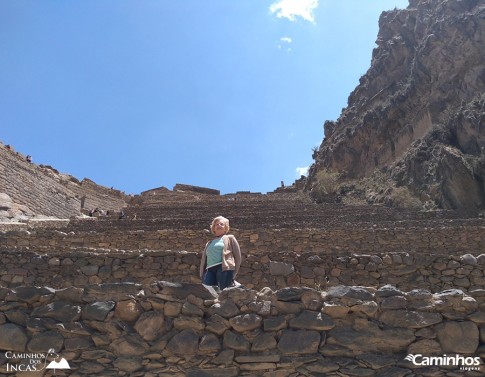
291	9
284	43
302	171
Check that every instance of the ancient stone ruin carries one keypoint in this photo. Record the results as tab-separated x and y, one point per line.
327	289
167	329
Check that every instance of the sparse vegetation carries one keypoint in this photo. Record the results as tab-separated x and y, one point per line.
326	186
378	189
401	197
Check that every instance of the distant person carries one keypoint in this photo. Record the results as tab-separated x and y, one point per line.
221	257
122	214
29	158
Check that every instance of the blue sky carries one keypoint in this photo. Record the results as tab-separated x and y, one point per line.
226	94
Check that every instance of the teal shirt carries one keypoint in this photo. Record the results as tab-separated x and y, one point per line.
214	252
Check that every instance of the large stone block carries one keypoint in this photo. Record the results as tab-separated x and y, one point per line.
184	343
97	311
150	325
13	337
235	342
366	335
226	309
44	341
458	337
213	372
410	319
310	320
58	310
246	322
32	294
281	268
182	290
129	310
111	291
129	345
299	342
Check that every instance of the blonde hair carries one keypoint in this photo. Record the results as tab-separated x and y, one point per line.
223	220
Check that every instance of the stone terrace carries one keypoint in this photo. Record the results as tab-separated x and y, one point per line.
44	191
286	241
338	290
165	209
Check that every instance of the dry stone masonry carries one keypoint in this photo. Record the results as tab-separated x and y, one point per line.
434	255
167	329
327	289
274	270
28	190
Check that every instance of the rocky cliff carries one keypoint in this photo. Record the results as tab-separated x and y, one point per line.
413	131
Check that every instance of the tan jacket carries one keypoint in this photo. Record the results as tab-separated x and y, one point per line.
231	255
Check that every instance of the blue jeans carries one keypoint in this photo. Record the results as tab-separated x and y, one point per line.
215	276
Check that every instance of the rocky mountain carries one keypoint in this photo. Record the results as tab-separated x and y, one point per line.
413	133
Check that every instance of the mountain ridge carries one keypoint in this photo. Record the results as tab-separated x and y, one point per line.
415	121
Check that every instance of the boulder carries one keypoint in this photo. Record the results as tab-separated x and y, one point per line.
13	337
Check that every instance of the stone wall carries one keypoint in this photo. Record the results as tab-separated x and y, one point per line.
198	189
437	237
96	196
176	330
408	255
30	185
406	271
45	191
